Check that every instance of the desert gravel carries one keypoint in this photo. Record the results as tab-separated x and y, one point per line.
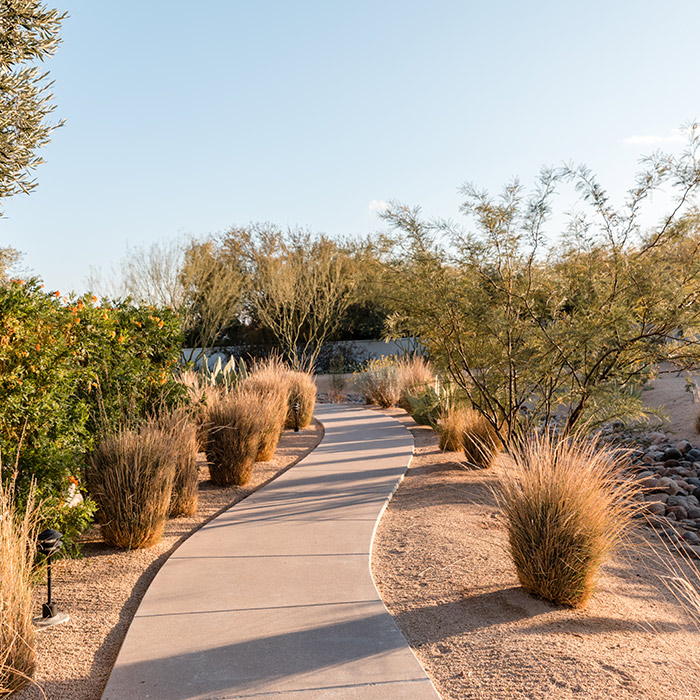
440	562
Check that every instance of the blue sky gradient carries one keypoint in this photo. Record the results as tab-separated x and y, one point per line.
187	118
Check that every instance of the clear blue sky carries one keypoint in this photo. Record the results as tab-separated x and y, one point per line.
188	118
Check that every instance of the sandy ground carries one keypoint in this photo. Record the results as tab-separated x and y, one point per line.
441	564
668	392
102	591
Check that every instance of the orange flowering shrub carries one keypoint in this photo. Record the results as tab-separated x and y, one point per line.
69	369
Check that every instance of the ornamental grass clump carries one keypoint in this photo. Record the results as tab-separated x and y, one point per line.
479	439
302	390
184	441
566	509
17	552
414	373
380	382
451	427
234	430
130	476
271	401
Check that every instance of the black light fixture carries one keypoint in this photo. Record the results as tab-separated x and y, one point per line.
48	543
296	407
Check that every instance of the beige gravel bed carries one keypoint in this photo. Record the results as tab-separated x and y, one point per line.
441	565
102	591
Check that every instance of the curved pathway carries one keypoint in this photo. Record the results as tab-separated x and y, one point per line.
274	598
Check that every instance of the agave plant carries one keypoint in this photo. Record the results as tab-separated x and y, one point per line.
226	376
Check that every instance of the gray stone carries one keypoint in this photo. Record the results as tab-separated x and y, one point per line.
655	508
693	454
657	498
694	513
672	454
678	513
683	446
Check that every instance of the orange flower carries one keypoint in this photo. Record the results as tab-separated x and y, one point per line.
160	324
94	299
80	305
57	293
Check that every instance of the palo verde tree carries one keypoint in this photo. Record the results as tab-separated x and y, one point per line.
300	286
537	331
29	33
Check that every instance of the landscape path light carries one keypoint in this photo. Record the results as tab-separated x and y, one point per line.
296	407
48	543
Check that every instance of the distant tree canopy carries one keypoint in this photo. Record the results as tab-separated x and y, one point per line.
29	33
258	285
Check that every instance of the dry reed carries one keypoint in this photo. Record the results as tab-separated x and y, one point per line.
451	427
566	508
130	476
17	552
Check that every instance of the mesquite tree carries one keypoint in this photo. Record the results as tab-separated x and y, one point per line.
537	331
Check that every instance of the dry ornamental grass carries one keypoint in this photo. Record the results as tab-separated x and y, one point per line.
130	476
235	427
182	434
302	389
566	509
17	552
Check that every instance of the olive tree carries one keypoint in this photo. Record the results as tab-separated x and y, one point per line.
538	331
29	33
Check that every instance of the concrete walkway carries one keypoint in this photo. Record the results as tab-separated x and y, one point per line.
274	598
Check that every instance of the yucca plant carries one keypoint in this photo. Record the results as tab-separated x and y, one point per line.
17	553
130	476
566	508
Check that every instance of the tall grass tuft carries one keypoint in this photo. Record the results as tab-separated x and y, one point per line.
380	382
234	430
566	508
451	427
479	439
302	389
272	402
130	476
415	373
17	552
182	434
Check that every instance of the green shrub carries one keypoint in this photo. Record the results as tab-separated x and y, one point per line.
130	475
17	551
566	508
68	369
